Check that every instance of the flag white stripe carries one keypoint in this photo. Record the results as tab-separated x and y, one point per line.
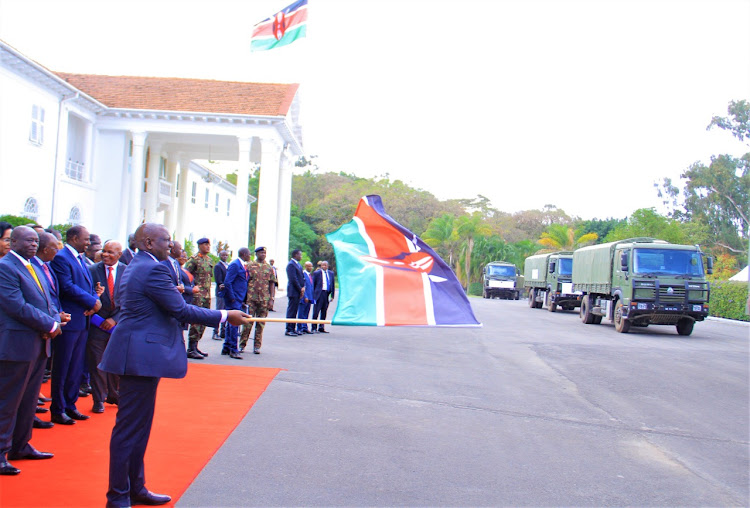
379	308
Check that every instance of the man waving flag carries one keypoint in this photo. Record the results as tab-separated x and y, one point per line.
389	277
284	27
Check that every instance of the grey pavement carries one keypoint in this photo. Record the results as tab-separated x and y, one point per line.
533	409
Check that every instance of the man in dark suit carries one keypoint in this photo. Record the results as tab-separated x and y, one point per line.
80	301
106	273
147	345
295	289
220	273
93	249
127	255
324	289
28	319
235	291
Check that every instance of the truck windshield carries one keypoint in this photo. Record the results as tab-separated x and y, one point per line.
501	270
667	262
566	266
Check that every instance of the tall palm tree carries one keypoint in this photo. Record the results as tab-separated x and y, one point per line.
441	234
468	228
560	237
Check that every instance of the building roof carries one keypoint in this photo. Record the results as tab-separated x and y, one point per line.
181	94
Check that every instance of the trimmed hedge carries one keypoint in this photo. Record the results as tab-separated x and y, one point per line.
729	300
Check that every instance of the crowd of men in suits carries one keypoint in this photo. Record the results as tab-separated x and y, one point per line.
307	290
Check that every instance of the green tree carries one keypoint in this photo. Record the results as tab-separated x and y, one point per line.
468	228
301	236
646	222
442	236
561	237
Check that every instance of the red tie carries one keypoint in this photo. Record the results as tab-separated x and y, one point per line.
49	276
111	285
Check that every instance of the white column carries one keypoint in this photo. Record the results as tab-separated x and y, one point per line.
283	213
136	181
170	215
182	201
241	207
152	189
268	201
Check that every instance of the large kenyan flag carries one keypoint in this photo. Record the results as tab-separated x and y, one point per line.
284	27
389	277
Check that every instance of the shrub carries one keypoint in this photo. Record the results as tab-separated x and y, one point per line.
729	300
475	289
15	220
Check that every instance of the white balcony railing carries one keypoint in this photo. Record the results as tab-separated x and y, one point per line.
165	193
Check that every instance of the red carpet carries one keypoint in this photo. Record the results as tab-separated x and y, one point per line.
194	416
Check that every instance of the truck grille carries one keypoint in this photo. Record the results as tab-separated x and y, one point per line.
672	293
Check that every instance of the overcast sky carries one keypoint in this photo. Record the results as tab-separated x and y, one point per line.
577	104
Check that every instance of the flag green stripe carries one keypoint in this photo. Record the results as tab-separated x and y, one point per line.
270	42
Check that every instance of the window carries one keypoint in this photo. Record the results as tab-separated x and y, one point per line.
36	133
229	203
216	207
162	167
195	190
75	216
206	205
31	209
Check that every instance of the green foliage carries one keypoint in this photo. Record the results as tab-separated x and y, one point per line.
63	229
188	247
560	237
475	289
729	300
15	220
601	227
441	235
301	236
738	122
646	222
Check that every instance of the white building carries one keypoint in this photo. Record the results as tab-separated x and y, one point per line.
109	152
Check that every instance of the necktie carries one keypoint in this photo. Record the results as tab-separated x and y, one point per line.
33	274
111	286
49	276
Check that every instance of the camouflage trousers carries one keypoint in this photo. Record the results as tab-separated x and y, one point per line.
196	331
255	309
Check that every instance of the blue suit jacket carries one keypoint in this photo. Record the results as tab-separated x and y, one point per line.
148	340
296	281
308	287
318	283
98	273
235	285
26	312
75	288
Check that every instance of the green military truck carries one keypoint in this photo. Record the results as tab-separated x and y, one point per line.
548	278
642	281
502	280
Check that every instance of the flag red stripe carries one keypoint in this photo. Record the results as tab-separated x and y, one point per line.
265	28
401	307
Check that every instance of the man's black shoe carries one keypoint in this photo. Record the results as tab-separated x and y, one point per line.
98	407
235	355
7	469
87	388
83	393
222	334
44	399
76	415
41	410
256	350
149	498
201	353
290	334
32	455
62	419
322	331
194	355
111	400
224	351
41	424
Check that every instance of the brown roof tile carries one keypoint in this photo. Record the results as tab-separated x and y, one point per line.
180	94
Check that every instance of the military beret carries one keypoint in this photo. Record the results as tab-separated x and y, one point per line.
203	240
258	249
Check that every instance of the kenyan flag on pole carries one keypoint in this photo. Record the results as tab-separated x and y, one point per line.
284	27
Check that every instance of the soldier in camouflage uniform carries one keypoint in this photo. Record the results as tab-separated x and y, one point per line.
260	283
201	267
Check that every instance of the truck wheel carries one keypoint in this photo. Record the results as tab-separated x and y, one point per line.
621	325
484	294
516	295
685	326
532	297
551	306
586	316
597	319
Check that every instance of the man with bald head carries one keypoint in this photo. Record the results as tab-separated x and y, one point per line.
28	319
146	345
107	274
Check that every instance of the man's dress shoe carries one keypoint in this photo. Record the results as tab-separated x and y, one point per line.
111	400
224	351
7	469
44	399
62	419
41	410
322	331
256	351
150	498
290	334
33	455
83	393
201	352
41	424
194	355
76	415
98	407
235	355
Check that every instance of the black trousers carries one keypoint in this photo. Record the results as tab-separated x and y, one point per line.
321	308
291	309
127	446
103	384
19	385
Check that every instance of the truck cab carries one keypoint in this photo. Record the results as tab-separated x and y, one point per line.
501	279
548	278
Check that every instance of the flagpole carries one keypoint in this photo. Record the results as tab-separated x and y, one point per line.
289	320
